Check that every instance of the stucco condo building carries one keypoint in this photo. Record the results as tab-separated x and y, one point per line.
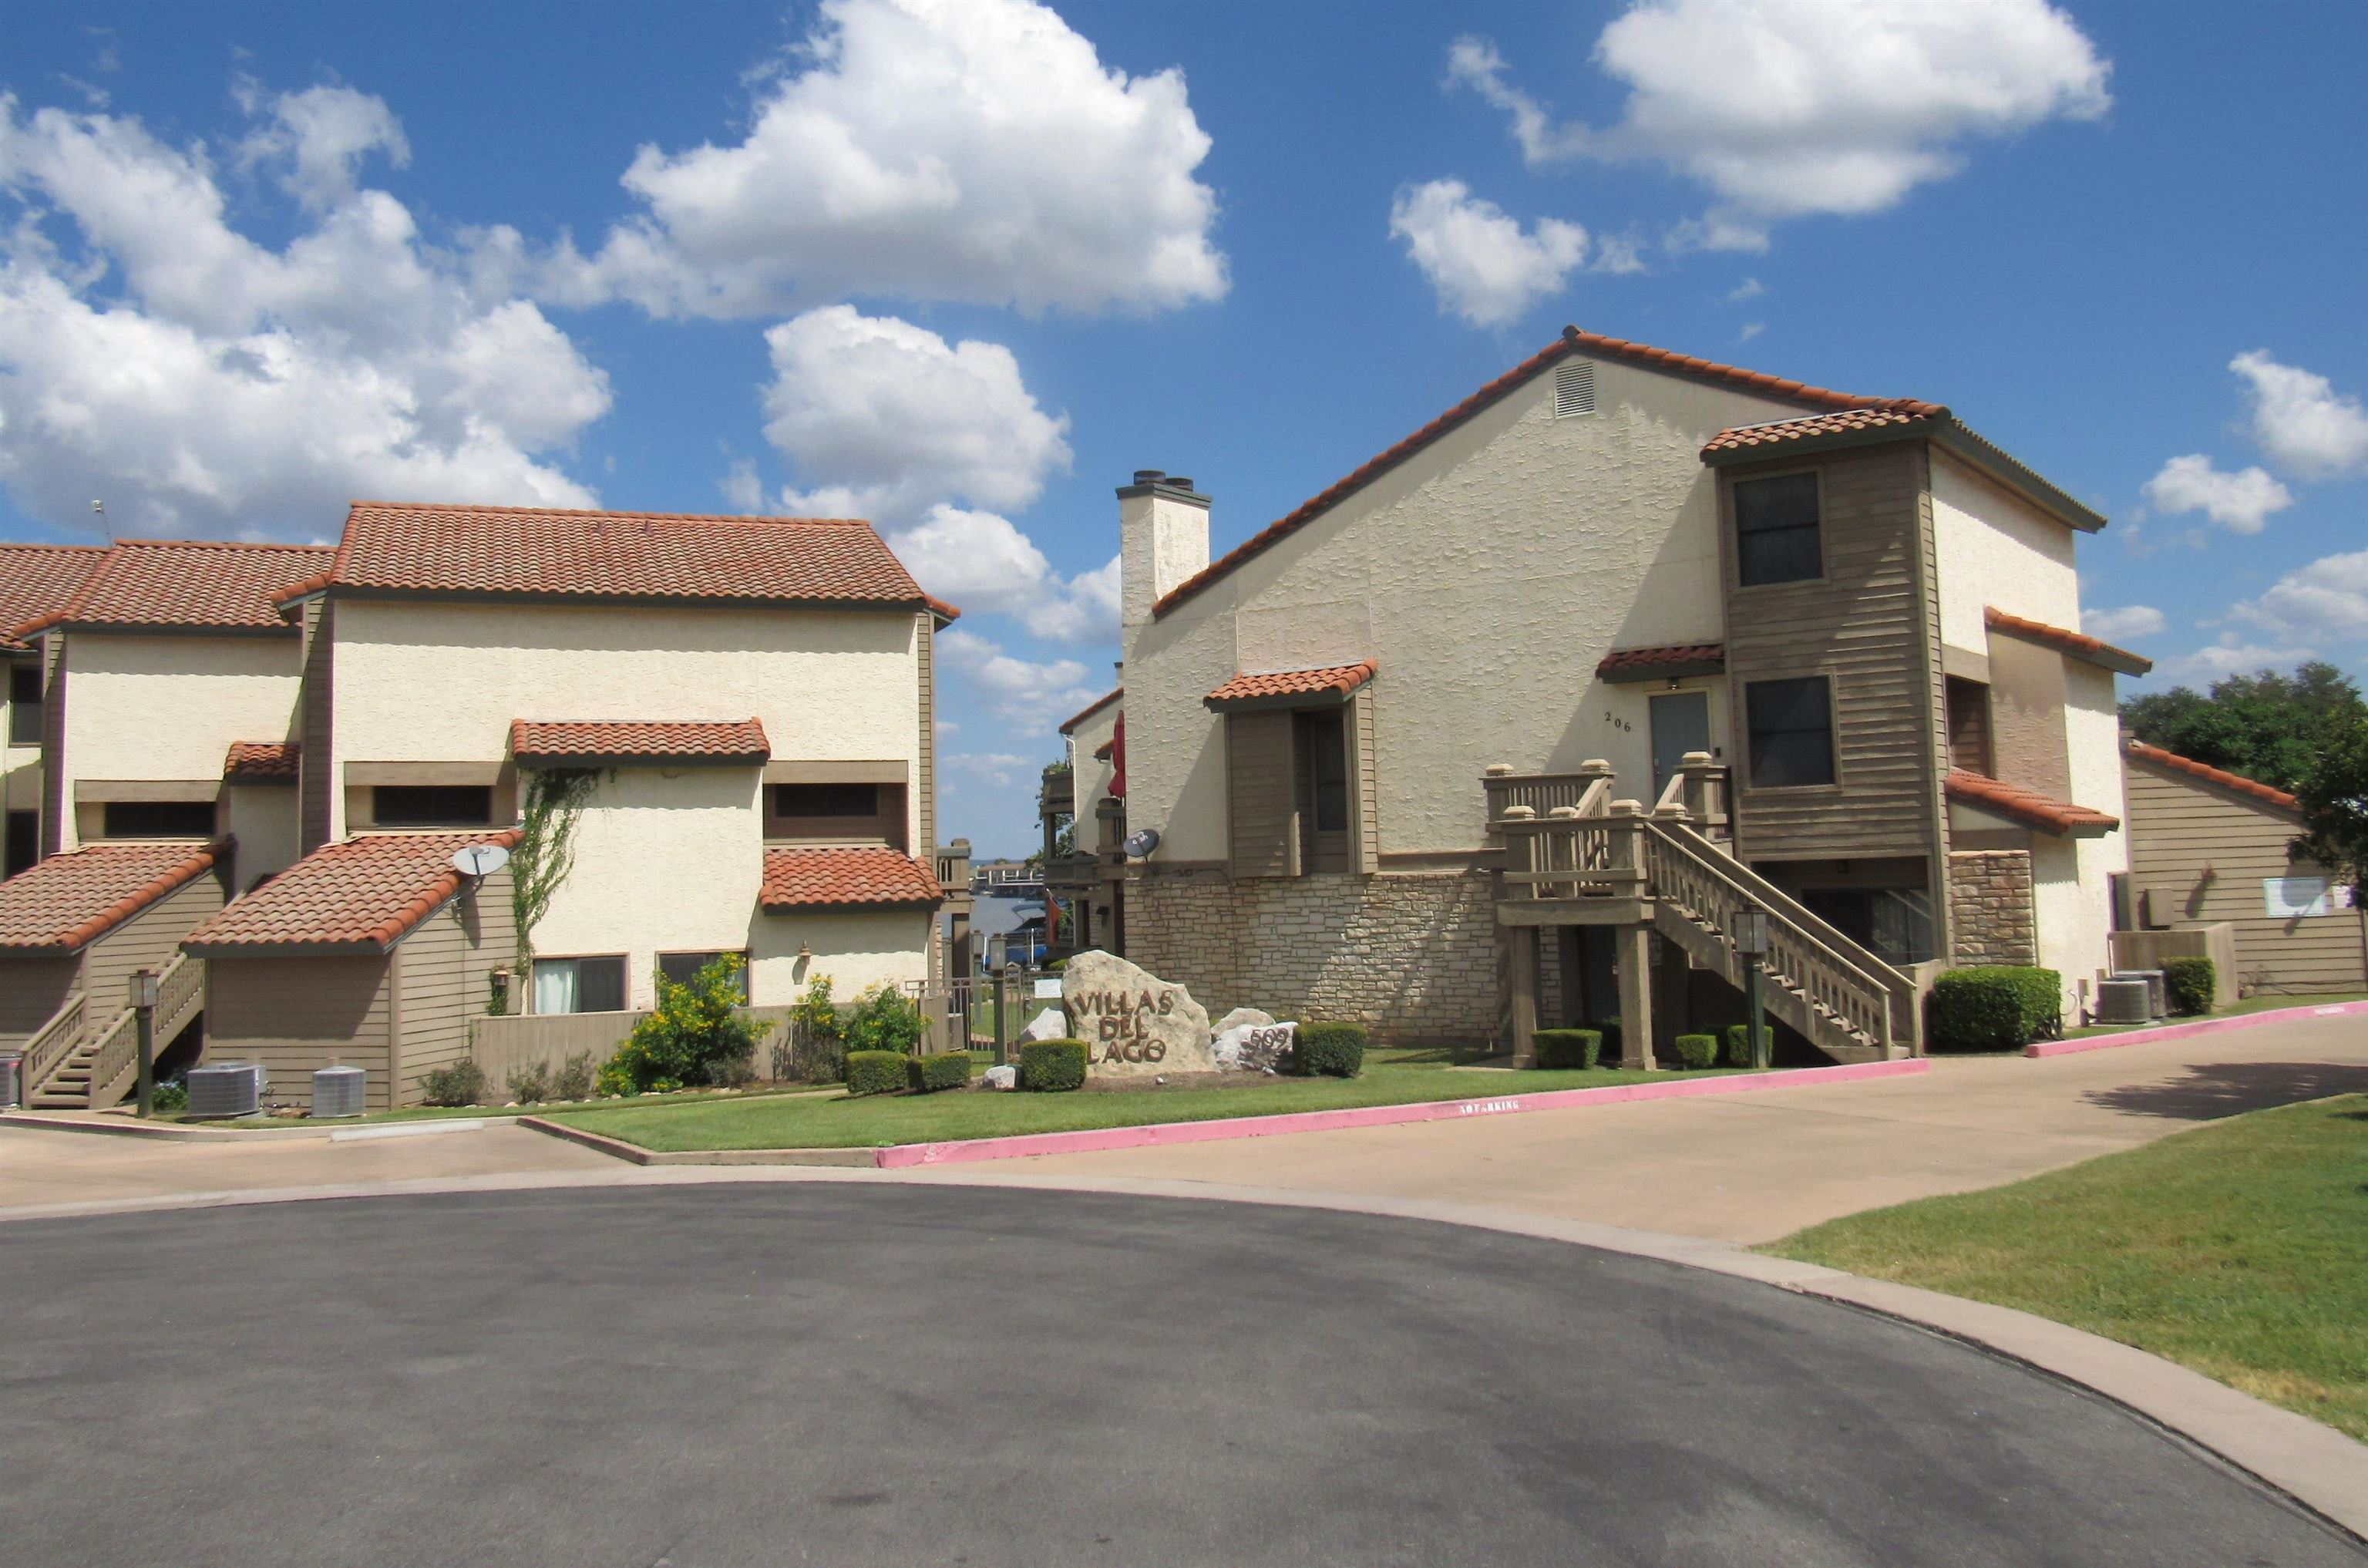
1505	727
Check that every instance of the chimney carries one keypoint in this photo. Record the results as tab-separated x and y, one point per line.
1163	530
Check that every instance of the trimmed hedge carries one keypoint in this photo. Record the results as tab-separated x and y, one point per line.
2189	984
1696	1052
1564	1050
1335	1051
1994	1008
875	1072
946	1070
1738	1045
1053	1066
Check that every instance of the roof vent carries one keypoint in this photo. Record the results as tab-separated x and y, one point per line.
1574	387
1149	475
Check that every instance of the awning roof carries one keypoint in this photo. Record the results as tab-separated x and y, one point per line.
1291	688
2028	807
847	879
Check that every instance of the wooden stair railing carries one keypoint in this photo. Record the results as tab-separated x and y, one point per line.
114	1057
54	1044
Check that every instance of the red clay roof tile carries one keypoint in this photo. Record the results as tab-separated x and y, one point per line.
739	740
2079	645
2026	806
361	895
1746	437
542	552
1335	679
261	762
216	584
1643	663
62	903
2220	775
37	580
844	879
1090	708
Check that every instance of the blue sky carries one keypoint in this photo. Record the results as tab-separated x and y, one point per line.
964	267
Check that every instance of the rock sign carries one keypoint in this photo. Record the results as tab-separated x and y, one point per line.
1135	1024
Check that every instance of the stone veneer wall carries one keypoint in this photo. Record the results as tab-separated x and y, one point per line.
1412	958
1990	905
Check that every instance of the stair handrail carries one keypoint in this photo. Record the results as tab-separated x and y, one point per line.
111	1053
176	982
53	1044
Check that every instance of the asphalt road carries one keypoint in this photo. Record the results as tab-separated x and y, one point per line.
862	1374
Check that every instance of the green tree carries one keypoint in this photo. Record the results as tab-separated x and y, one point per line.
2267	726
2333	793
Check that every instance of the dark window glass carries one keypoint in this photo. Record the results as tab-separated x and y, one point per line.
680	967
600	985
1776	529
827	800
1792	732
432	805
24	841
1328	751
25	705
1969	725
160	819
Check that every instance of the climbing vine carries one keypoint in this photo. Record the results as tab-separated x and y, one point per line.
546	847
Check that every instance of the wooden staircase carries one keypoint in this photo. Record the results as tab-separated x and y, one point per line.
69	1067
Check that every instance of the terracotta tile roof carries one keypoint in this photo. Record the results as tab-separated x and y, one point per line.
1337	678
1572	341
359	896
36	580
2080	646
60	904
740	740
262	762
1090	708
2204	771
2026	806
182	583
1852	421
1102	752
1644	663
396	547
868	879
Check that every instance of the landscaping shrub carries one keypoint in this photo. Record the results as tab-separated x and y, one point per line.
697	1034
946	1070
875	1072
1696	1052
172	1097
884	1019
1334	1051
1738	1045
1612	1049
2189	983
1994	1008
814	1048
574	1080
531	1085
1564	1050
1053	1066
461	1083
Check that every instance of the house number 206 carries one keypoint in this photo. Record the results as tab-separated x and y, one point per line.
1616	722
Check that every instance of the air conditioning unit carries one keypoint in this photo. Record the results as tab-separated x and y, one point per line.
2123	1002
2158	989
339	1091
226	1089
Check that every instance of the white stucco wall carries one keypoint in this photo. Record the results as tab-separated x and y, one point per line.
2075	918
263	818
1991	547
1091	777
20	778
166	709
1486	575
854	950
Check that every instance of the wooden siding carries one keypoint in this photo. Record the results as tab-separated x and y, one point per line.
1865	624
2204	851
315	768
1364	785
1259	804
888	824
148	940
296	1014
31	989
441	980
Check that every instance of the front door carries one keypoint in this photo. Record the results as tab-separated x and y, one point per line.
1680	724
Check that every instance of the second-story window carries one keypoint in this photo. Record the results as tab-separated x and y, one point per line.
1776	535
827	800
431	805
24	705
158	819
1792	732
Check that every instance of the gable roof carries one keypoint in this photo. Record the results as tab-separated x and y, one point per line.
186	585
63	903
37	580
686	741
2079	645
2237	783
2028	807
1289	686
262	762
359	896
1867	427
1572	341
546	554
1090	708
847	878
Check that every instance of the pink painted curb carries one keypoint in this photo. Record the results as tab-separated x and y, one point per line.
2201	1025
966	1150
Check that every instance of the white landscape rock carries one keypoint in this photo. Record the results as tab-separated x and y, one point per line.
1252	1047
1003	1077
1135	1024
1240	1016
1050	1024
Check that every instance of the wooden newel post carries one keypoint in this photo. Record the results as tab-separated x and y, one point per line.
143	1007
1632	945
1002	996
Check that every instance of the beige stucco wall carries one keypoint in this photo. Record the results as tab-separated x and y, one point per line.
168	708
262	817
854	950
1487	575
1092	778
2092	736
1994	547
435	682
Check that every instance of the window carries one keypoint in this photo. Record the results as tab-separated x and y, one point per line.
1776	529
432	805
579	985
24	841
1792	732
24	705
1969	725
680	967
159	819
827	800
1895	923
1326	738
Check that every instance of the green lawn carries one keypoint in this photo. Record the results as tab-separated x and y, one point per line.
2249	1005
2239	1249
1390	1078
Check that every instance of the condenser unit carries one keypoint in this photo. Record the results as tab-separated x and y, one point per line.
2123	1002
339	1091
2158	989
226	1089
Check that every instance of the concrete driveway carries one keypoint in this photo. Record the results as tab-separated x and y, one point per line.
862	1373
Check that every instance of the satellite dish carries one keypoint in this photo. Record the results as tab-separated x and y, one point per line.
480	860
1141	841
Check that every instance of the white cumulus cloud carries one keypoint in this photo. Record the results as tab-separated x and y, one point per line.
1028	695
2130	622
2306	427
981	560
1783	107
2326	601
199	382
2231	655
1485	266
945	150
2240	502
